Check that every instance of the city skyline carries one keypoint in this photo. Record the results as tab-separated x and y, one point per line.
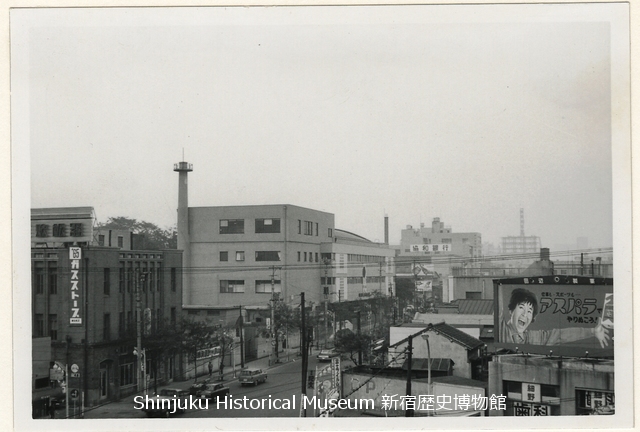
349	114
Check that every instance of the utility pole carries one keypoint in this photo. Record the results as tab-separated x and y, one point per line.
303	349
241	320
409	412
139	352
359	345
274	336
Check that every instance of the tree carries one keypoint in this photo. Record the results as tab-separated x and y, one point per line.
196	335
151	236
351	343
164	339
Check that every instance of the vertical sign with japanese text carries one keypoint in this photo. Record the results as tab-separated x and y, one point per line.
75	257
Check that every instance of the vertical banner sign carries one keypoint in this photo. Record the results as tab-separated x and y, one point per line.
75	256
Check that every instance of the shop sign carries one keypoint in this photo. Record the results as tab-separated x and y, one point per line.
75	255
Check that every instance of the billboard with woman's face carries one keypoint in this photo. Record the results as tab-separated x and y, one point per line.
571	313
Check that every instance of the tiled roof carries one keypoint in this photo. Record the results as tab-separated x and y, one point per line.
462	338
475	307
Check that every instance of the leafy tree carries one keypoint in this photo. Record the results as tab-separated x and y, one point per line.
164	339
152	236
351	343
196	335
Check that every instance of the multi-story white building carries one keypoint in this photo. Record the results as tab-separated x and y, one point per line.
235	255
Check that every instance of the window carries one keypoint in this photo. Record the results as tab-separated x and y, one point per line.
231	286
267	256
305	257
330	232
473	295
107	281
42	230
53	279
38	330
106	327
127	374
193	312
173	279
38	280
232	226
299	226
173	316
446	240
75	230
308	228
121	278
120	241
316	256
224	256
267	226
316	229
240	256
53	326
264	286
101	240
121	324
213	312
299	256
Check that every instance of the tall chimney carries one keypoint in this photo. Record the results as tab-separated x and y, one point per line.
386	229
184	242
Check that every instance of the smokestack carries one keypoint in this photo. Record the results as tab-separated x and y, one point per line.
386	230
184	243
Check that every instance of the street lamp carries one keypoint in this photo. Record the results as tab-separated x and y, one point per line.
426	338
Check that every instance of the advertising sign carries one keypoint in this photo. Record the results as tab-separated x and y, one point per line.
446	247
75	256
535	314
327	385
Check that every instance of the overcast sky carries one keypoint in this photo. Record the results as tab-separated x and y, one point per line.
463	113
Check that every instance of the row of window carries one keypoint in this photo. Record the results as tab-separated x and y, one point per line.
302	256
236	226
238	286
259	256
150	279
359	279
365	258
101	240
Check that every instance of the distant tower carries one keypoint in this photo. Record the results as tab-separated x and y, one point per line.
386	229
184	242
521	222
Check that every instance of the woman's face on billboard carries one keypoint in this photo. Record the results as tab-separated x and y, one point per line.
521	317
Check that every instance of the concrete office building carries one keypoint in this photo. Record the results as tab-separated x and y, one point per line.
234	255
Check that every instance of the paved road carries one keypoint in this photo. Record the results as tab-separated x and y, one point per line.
283	382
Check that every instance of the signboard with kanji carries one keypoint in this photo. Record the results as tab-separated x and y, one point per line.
560	311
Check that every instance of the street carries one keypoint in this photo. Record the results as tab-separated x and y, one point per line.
283	382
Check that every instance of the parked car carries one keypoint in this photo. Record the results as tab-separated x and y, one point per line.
252	376
327	355
214	391
171	395
197	388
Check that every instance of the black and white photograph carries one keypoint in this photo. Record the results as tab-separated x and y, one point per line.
321	217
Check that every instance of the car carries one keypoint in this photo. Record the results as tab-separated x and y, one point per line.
171	396
252	376
214	391
197	388
327	355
